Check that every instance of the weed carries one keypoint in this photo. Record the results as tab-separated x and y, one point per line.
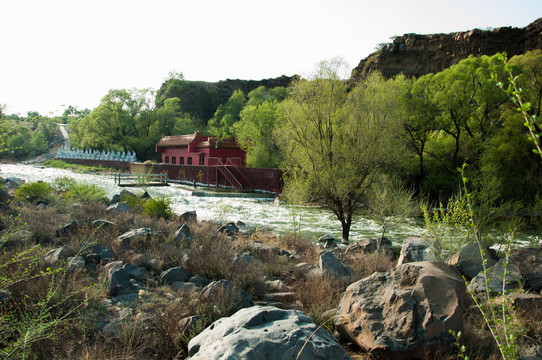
34	192
158	208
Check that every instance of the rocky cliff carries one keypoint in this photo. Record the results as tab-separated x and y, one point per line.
416	55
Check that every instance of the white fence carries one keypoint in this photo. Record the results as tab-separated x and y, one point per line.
90	154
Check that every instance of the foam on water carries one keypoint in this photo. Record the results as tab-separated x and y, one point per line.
258	212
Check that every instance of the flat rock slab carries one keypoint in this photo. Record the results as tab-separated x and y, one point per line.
265	333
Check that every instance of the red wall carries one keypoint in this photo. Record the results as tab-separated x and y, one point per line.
222	153
261	179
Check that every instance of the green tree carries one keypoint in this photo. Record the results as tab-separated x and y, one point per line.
334	142
227	114
254	132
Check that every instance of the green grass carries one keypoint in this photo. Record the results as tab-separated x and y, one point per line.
59	164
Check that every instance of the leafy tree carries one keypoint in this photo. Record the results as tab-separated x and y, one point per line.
334	142
255	131
226	115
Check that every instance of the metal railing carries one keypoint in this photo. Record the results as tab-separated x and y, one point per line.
223	169
124	179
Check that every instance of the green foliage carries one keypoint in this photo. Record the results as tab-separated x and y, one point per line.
335	142
75	167
80	191
134	202
34	192
227	115
390	200
158	208
255	134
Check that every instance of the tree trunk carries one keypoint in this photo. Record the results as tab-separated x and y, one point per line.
346	230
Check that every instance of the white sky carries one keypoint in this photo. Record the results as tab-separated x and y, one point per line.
55	53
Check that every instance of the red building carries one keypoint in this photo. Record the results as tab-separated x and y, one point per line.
197	149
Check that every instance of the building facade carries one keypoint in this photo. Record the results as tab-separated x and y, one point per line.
202	150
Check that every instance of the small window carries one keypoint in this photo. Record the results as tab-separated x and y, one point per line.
202	159
173	160
167	160
181	160
189	160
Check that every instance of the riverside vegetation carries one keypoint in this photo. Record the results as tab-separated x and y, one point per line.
62	245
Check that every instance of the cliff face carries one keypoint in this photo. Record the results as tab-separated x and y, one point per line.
416	55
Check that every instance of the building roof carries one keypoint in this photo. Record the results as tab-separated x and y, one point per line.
175	141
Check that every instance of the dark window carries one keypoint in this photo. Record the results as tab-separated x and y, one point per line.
173	160
202	159
189	160
181	160
167	160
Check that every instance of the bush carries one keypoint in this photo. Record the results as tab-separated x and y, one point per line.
34	192
158	208
82	192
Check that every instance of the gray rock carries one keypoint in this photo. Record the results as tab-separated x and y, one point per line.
228	229
416	248
332	267
70	228
325	238
405	313
4	295
224	290
367	245
497	283
119	207
102	224
185	289
330	244
97	254
529	261
114	199
21	238
123	280
124	240
199	281
5	198
76	263
173	275
188	216
146	196
183	235
245	259
62	253
469	260
12	183
262	333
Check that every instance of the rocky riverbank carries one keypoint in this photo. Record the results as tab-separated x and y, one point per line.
115	283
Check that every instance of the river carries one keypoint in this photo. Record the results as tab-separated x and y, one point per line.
280	218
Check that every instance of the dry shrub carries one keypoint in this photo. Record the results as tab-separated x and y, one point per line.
318	296
211	257
365	264
250	277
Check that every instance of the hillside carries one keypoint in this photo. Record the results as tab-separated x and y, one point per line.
416	55
201	99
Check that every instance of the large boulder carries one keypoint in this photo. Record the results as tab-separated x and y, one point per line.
262	333
332	267
183	235
469	260
21	238
529	261
416	248
497	282
4	197
403	313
